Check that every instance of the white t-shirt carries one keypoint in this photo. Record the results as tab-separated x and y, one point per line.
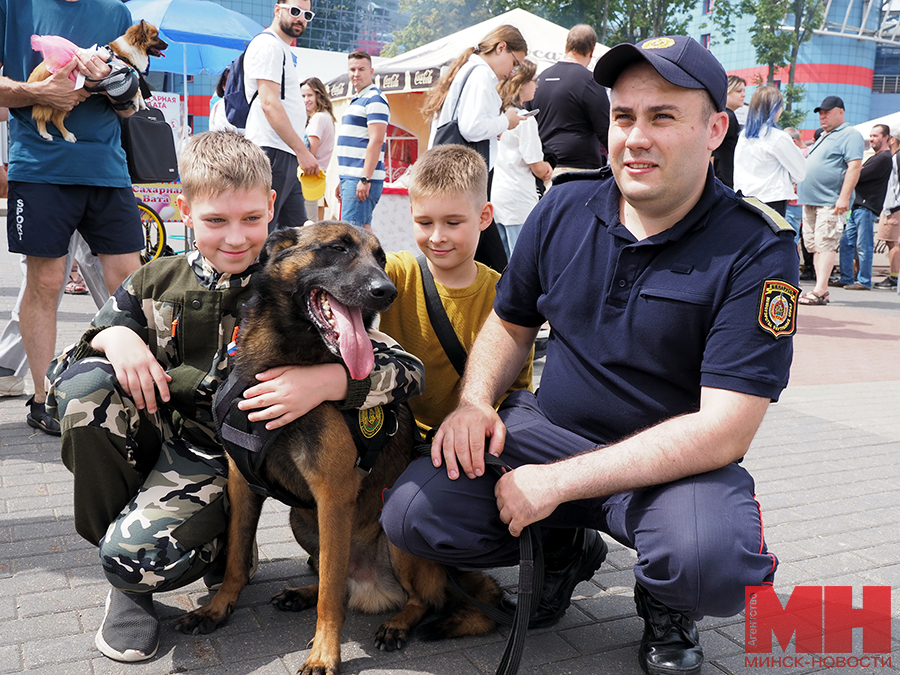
478	114
766	167
218	121
322	127
264	59
513	191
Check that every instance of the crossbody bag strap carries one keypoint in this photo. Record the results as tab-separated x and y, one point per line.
440	321
462	87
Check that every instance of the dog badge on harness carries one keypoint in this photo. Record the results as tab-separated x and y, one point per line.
778	308
371	421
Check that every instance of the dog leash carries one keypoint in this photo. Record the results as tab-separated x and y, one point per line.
531	580
531	555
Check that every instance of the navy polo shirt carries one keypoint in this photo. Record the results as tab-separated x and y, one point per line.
638	327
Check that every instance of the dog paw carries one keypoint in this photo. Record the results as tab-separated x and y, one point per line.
198	623
70	137
293	600
391	638
45	136
318	668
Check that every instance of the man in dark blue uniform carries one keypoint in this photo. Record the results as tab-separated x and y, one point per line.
672	303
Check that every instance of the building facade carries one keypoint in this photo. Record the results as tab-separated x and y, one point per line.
850	57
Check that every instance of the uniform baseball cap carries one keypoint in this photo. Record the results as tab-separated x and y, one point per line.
678	59
829	103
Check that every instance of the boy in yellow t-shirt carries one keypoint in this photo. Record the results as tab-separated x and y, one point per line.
448	201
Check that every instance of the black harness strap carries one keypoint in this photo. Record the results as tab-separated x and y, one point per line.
248	442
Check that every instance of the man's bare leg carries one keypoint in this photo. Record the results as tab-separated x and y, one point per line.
116	268
37	316
824	263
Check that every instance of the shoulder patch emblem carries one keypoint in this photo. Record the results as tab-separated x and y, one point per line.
370	421
778	308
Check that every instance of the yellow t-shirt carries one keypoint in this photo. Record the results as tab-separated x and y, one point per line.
407	322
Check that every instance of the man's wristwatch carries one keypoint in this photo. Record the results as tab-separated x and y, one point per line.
364	180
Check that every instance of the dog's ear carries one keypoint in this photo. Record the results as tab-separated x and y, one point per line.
278	241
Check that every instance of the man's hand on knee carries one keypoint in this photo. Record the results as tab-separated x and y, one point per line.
460	439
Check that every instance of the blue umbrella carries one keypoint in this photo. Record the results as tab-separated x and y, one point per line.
197	22
202	36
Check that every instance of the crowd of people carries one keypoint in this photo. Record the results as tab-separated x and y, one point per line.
827	193
575	197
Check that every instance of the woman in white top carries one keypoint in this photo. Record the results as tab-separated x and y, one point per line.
469	87
520	158
319	129
767	163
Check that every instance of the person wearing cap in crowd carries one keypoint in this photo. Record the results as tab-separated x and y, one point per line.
658	372
858	239
833	164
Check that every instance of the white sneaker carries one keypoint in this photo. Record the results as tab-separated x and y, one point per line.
10	385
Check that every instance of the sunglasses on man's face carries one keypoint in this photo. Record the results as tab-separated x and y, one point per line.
307	14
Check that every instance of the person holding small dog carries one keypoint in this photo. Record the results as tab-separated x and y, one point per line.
673	302
135	394
55	187
448	201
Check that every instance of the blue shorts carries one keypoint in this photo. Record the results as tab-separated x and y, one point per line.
354	211
42	218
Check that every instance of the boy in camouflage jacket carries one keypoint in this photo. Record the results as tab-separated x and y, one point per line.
134	396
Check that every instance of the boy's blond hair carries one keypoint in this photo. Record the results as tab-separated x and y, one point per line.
216	161
448	170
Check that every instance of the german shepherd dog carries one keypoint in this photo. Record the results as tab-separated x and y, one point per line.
132	50
319	288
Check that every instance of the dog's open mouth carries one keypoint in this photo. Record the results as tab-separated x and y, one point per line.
153	51
343	330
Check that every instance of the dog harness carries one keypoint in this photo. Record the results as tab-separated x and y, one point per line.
247	443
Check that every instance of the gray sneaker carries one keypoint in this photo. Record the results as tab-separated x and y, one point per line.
130	628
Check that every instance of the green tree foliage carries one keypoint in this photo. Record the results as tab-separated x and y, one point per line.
614	20
431	20
779	28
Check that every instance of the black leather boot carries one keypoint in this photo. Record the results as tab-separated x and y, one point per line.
570	557
671	642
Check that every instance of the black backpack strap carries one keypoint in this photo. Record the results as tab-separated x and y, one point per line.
439	320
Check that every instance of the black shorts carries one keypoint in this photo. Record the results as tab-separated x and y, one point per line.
41	219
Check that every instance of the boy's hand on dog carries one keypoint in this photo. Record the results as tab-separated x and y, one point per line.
460	439
59	92
288	392
137	370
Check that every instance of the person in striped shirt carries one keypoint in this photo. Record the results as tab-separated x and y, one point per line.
360	145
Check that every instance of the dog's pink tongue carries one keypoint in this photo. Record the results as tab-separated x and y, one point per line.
356	348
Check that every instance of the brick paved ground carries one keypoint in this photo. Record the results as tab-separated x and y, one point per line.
825	461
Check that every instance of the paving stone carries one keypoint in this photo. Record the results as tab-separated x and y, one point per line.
826	473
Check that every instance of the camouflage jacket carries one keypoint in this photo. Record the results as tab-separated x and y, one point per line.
187	314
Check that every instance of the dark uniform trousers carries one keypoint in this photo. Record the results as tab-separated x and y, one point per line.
699	540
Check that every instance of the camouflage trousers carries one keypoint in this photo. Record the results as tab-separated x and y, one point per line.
157	512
